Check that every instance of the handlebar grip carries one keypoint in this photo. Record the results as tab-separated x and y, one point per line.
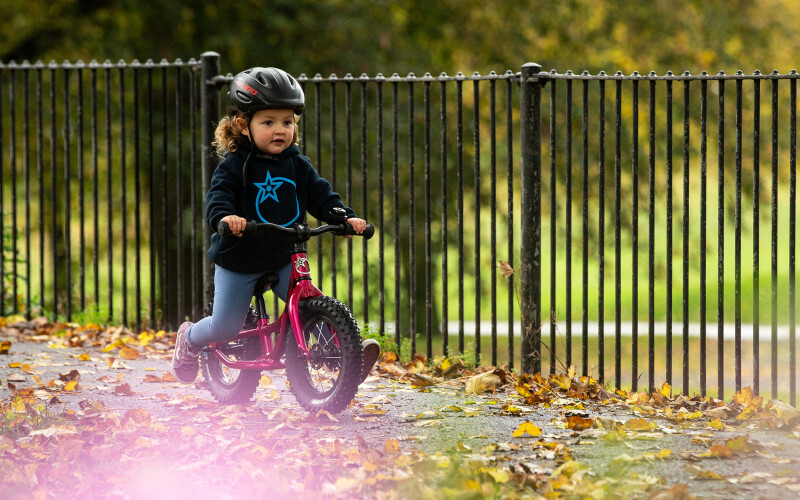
369	231
224	230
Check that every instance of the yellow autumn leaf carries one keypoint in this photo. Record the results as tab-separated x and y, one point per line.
499	476
638	424
84	357
744	397
145	338
666	390
747	414
374	410
742	444
15	364
265	381
391	447
129	353
578	423
664	453
527	428
71	386
5	346
716	424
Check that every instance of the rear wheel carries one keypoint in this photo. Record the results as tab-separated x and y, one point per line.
328	378
228	385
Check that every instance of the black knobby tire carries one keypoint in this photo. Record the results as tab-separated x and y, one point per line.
227	385
329	378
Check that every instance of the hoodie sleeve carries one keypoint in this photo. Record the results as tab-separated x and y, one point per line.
321	196
221	199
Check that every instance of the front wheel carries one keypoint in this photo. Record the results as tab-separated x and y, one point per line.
327	379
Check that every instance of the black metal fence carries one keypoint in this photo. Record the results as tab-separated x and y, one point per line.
104	169
100	192
692	222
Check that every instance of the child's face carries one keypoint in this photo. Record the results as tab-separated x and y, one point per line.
272	129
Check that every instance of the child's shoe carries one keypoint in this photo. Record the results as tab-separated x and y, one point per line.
185	362
372	351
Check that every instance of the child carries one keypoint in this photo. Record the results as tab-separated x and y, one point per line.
261	177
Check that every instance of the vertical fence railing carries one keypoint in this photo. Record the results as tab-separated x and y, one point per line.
745	330
107	174
89	231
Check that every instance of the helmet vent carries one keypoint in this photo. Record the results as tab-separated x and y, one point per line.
262	79
243	97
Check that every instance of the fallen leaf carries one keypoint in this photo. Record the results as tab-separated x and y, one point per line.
785	412
124	390
699	473
421	380
578	423
527	428
5	346
499	476
129	353
69	376
391	447
483	382
71	386
638	424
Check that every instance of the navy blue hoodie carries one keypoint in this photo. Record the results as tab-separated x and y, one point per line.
276	188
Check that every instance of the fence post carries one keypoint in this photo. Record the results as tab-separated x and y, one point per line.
209	96
531	192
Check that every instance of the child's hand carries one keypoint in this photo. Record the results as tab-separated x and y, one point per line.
236	223
358	225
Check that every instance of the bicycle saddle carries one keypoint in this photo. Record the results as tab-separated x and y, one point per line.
264	283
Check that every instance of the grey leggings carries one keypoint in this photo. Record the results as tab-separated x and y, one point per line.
232	294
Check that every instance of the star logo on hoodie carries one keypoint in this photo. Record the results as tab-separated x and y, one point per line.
268	188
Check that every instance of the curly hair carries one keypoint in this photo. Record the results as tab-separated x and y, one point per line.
229	135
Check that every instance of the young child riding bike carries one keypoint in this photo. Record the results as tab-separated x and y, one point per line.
262	177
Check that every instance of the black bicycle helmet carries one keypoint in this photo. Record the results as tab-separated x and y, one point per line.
265	88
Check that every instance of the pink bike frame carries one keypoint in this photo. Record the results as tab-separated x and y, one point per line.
300	288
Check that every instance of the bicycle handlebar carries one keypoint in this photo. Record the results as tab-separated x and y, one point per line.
299	232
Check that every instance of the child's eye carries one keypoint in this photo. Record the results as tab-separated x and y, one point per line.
268	123
288	123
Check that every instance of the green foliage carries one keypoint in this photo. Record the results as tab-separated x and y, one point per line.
18	417
327	36
94	314
387	342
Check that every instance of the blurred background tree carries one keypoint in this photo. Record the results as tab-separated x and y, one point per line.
338	36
